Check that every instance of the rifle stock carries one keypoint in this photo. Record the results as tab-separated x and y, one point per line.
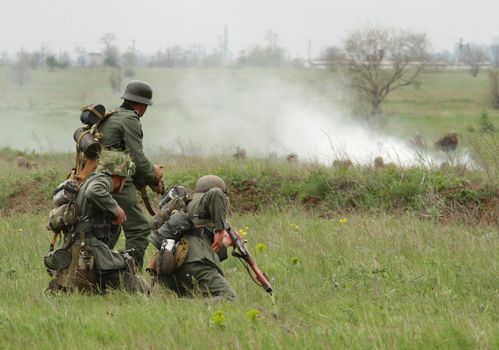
244	254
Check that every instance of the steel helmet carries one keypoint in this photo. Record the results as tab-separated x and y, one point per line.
207	182
138	91
115	163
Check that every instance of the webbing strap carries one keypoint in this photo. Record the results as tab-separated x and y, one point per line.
94	111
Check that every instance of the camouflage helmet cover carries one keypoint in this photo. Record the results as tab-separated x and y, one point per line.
115	163
208	182
138	91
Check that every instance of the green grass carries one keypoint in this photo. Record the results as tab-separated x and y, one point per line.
394	258
44	113
437	193
371	282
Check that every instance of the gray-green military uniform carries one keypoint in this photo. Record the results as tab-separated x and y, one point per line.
202	272
123	132
106	268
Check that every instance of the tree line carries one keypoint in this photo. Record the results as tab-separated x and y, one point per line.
376	60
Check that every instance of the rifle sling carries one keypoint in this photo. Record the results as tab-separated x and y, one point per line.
147	203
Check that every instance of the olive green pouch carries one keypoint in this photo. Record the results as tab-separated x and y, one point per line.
106	259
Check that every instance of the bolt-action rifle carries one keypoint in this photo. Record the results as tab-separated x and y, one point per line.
240	251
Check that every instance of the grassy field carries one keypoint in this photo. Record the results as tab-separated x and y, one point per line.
250	106
357	281
359	257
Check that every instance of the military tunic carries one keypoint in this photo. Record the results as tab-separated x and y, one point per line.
97	209
123	132
202	272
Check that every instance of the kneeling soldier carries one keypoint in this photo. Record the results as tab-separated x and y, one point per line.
201	240
88	263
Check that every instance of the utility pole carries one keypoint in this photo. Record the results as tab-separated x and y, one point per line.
460	52
310	52
225	45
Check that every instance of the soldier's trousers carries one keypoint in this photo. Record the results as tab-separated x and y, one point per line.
136	227
198	278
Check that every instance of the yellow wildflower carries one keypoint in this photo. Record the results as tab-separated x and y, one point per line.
243	232
253	314
261	247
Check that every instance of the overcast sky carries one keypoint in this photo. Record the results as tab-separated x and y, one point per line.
156	24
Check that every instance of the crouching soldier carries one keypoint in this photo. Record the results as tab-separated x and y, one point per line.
85	262
193	242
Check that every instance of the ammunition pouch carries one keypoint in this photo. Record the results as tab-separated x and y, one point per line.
107	260
181	251
63	217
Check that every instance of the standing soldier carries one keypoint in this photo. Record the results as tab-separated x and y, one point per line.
122	131
90	264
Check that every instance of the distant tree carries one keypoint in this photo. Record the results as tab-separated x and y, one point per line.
4	54
380	60
64	60
494	88
52	62
271	55
20	68
110	53
129	59
474	56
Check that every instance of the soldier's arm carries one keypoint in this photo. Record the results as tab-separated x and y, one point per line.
216	202
132	137
98	193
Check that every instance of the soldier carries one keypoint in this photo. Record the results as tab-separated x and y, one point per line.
207	242
122	131
88	263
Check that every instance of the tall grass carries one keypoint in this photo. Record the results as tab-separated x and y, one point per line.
357	281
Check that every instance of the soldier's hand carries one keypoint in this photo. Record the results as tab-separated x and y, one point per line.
120	218
218	240
159	172
159	188
227	240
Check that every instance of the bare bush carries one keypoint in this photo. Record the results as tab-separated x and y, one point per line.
111	53
494	88
380	60
21	68
474	56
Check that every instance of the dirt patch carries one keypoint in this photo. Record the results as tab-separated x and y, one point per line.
25	198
